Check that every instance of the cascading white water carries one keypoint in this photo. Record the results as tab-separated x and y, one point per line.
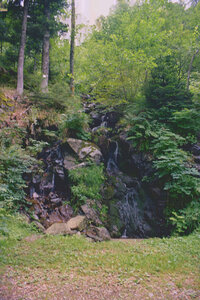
112	161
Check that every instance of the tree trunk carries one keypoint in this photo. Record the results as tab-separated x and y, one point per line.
45	50
72	46
20	67
190	68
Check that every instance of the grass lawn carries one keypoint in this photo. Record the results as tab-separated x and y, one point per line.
63	267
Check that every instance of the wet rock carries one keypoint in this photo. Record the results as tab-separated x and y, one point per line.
77	223
59	228
115	233
91	214
36	179
156	192
196	149
197	159
116	225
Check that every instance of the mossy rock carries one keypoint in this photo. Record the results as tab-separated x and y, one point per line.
116	226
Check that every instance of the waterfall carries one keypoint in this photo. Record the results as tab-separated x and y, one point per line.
130	214
112	160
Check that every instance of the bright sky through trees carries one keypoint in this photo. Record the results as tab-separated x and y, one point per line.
90	10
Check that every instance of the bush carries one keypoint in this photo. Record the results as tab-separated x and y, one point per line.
142	130
58	97
186	123
13	164
173	167
75	124
86	184
188	219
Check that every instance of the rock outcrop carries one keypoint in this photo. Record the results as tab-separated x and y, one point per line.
85	150
59	228
78	223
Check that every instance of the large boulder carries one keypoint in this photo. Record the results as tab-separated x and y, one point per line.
59	228
91	214
85	149
98	234
77	223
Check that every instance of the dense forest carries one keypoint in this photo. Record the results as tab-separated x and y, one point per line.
100	137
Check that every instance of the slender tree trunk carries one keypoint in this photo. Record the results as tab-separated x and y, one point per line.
20	67
72	46
190	68
45	50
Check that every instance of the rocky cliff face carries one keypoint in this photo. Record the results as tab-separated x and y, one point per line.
135	208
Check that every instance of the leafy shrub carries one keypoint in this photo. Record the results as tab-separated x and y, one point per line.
186	123
36	147
142	130
14	162
58	97
172	166
87	183
32	81
187	219
75	124
11	135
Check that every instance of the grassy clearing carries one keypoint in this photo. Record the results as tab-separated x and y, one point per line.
46	267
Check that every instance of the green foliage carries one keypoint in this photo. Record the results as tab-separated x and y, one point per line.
14	226
142	133
36	147
32	82
137	44
188	219
166	87
186	123
11	135
14	162
166	141
173	166
76	124
87	182
57	98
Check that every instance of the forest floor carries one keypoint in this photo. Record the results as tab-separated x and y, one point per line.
62	267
